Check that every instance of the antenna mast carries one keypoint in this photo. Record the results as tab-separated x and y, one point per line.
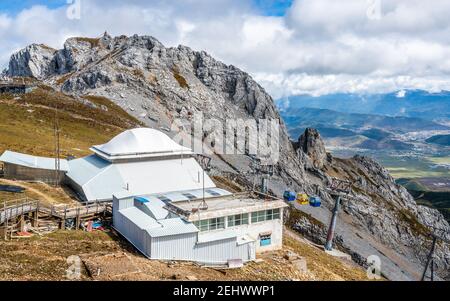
430	259
57	147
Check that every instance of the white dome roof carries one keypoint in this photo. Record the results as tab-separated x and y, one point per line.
140	142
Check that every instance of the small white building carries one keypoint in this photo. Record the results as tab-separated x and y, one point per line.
181	226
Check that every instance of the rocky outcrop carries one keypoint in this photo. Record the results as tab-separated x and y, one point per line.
312	145
161	86
33	61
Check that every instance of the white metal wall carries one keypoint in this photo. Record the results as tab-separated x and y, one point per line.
182	246
253	230
185	247
138	237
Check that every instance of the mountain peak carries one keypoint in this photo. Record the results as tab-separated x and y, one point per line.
312	144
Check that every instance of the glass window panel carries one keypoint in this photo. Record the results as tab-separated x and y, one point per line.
189	196
238	220
254	217
203	225
163	198
221	223
261	216
212	192
276	214
213	224
230	221
245	219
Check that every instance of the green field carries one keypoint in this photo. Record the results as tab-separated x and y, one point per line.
416	167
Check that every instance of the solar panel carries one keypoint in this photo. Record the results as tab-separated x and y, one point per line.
189	196
212	192
164	199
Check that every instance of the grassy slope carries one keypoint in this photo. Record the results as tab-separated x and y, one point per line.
27	122
45	258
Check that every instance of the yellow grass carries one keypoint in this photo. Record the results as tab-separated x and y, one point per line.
27	123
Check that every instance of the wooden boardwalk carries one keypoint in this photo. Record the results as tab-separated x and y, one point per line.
13	211
61	212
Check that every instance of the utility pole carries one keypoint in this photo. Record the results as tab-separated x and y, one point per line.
430	259
205	163
57	147
337	187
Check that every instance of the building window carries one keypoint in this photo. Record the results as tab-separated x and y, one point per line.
238	220
210	224
204	225
265	240
265	215
272	214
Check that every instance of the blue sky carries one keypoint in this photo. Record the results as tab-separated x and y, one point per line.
266	7
273	7
12	7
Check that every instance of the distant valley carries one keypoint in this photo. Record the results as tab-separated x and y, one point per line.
339	124
409	135
410	147
400	143
367	131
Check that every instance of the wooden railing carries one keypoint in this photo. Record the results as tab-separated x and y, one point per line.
18	208
24	206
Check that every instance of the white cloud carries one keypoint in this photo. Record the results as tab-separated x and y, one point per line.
319	47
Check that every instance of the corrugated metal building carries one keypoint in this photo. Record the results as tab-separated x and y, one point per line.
160	234
24	167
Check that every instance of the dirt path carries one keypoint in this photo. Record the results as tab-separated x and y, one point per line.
45	197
